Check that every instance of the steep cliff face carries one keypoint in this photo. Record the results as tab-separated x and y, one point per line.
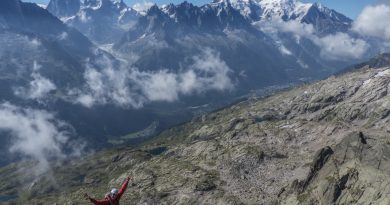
63	8
11	13
323	143
355	173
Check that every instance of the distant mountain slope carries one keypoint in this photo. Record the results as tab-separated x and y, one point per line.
324	142
324	20
43	61
31	34
263	42
165	37
103	21
381	60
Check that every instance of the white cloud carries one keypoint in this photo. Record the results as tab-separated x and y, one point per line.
83	16
296	27
35	42
109	85
38	88
30	45
86	100
213	72
208	72
284	50
374	21
125	87
338	46
143	6
341	45
157	86
63	36
35	134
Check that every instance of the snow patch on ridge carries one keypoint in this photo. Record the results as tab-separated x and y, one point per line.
383	73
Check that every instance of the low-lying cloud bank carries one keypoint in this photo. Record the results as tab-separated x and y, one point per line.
371	30
123	85
374	21
128	86
338	46
38	88
341	46
36	134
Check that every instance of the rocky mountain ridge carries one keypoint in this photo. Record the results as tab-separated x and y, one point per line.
320	143
324	19
103	21
249	36
166	36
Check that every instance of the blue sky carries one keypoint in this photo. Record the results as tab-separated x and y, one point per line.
351	8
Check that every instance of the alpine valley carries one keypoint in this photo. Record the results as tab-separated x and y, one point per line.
222	103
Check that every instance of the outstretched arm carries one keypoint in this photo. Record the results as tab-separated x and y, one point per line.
124	187
97	202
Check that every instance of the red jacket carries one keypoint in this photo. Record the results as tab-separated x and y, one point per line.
107	200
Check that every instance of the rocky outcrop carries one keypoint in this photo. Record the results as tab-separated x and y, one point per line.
353	174
323	143
319	161
380	61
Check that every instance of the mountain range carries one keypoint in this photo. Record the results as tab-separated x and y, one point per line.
114	73
271	41
324	20
221	103
165	36
163	28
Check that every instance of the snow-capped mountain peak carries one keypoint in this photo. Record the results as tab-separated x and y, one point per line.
330	12
268	9
44	6
321	17
109	4
285	9
103	21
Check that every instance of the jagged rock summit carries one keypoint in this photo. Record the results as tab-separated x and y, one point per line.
62	8
324	19
103	21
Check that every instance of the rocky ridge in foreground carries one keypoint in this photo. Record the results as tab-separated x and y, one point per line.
323	143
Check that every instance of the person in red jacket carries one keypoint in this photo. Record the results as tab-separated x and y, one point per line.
113	197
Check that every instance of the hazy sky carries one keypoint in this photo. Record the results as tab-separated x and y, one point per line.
351	8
